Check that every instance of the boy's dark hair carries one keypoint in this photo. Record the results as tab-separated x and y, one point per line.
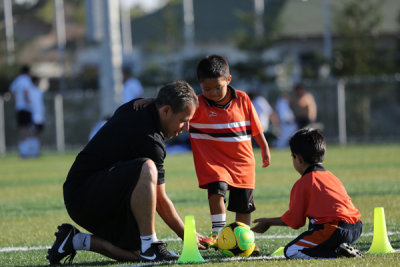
212	66
25	69
309	144
178	95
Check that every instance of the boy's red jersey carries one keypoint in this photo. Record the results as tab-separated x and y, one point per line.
320	196
221	141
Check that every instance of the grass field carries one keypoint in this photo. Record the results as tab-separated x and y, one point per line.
31	204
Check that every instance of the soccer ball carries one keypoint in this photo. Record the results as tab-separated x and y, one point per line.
236	239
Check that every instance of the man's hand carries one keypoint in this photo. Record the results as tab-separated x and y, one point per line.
142	103
199	237
262	225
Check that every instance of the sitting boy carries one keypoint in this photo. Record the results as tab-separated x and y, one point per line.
334	222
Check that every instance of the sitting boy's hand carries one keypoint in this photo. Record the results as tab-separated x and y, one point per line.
262	225
142	103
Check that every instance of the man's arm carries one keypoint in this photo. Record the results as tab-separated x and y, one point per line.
168	213
142	103
263	224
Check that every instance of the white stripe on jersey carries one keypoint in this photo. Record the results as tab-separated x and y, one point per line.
221	139
308	242
220	126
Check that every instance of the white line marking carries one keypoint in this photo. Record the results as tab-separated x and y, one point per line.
14	249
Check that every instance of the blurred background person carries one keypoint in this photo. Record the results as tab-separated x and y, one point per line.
266	114
38	118
19	89
287	121
132	88
305	108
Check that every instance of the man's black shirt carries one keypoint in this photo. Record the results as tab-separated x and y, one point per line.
128	135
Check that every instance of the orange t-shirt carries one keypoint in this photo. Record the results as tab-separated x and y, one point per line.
319	195
221	141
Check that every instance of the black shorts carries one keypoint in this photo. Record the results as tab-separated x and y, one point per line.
39	128
241	200
24	118
101	203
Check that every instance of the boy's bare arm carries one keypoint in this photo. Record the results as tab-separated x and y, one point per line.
142	103
263	224
265	154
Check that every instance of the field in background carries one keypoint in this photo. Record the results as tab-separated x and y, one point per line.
31	203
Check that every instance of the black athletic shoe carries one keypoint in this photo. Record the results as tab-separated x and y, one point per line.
62	246
345	250
158	252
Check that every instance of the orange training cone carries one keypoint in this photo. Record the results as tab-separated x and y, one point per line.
380	242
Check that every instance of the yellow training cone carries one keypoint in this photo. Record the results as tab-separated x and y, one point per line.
190	252
380	242
278	252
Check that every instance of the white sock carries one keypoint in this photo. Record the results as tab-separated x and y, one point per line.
218	222
81	241
147	240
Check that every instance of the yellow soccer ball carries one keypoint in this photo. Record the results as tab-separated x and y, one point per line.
236	239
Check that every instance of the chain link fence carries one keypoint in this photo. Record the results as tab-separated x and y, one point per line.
370	108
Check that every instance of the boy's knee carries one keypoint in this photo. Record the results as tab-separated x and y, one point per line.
295	252
217	188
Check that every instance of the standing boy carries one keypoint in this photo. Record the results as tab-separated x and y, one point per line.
321	197
220	133
38	117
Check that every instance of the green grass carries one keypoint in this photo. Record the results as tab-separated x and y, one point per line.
31	203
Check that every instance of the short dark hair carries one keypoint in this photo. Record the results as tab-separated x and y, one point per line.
25	69
178	95
309	144
212	66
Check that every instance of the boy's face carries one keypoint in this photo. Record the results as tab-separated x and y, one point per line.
296	163
215	89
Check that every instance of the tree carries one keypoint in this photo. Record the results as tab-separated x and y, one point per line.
357	24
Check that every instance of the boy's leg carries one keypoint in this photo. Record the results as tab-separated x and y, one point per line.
216	201
320	241
241	201
243	217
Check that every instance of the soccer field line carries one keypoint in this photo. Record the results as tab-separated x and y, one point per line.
14	249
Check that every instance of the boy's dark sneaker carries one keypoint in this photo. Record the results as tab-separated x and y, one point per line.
62	246
345	250
158	252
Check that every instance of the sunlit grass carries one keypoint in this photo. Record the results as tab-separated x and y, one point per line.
31	202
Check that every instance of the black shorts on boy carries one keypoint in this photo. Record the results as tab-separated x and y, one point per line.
241	200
